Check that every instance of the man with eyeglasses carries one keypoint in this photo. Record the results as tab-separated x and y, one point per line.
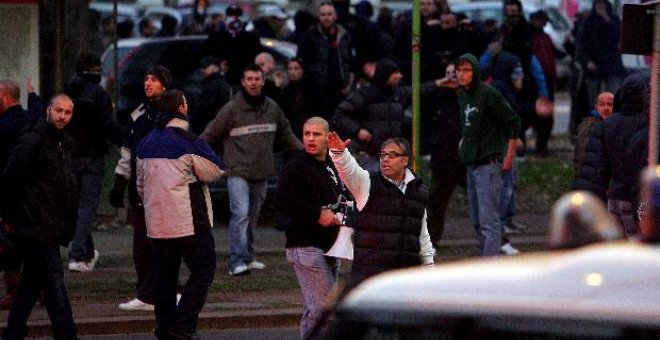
488	123
390	226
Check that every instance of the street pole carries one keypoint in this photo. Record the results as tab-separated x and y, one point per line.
59	46
654	122
416	47
115	58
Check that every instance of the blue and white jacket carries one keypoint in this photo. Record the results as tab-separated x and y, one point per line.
173	167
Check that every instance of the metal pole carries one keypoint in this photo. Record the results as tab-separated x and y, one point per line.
654	122
115	58
416	47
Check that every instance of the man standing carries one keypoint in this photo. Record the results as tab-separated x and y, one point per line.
602	109
233	45
308	184
13	120
390	227
91	126
142	121
327	50
215	93
173	167
39	205
488	122
246	130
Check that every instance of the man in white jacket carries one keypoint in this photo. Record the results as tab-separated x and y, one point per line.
390	226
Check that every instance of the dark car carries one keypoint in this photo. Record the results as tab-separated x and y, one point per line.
181	55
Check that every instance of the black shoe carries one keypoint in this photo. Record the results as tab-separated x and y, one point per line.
178	335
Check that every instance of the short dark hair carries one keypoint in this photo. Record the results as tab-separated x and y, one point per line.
86	61
297	60
253	67
170	101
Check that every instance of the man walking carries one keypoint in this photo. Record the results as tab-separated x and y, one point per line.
173	167
488	123
246	130
91	126
308	184
39	197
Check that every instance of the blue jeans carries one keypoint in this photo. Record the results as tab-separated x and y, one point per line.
508	195
484	185
43	272
316	275
245	200
198	253
89	173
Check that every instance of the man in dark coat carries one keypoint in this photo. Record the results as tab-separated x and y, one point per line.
14	119
390	226
91	127
39	197
234	46
215	93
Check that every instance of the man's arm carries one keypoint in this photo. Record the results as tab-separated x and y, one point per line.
345	116
354	177
426	250
217	128
284	134
208	167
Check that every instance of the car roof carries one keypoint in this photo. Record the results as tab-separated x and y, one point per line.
617	282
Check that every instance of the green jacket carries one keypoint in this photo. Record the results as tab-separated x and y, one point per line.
488	120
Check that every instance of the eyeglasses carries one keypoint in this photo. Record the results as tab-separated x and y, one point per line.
390	155
463	70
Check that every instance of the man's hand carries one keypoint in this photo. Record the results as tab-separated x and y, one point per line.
328	218
335	143
117	192
364	135
447	82
544	107
507	164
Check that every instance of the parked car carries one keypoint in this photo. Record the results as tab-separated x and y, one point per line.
600	291
181	55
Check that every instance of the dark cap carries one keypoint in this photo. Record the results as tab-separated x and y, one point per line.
162	74
384	68
234	11
86	61
540	14
208	61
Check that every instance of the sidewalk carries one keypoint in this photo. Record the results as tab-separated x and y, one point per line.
227	310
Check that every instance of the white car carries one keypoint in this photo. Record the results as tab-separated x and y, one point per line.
601	291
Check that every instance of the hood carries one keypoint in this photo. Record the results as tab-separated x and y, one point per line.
164	119
384	68
608	5
634	94
476	73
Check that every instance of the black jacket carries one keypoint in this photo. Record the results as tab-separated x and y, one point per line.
39	190
305	185
588	170
442	131
215	93
387	229
616	162
12	123
302	100
92	124
315	50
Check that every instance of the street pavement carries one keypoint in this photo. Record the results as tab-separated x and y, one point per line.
97	317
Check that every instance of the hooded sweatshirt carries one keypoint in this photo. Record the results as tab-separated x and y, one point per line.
488	120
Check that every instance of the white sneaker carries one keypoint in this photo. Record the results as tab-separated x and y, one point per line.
508	249
136	305
91	263
256	265
239	270
79	266
178	298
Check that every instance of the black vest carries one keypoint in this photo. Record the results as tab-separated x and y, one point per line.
388	227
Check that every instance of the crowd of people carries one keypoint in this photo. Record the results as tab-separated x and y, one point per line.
338	113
